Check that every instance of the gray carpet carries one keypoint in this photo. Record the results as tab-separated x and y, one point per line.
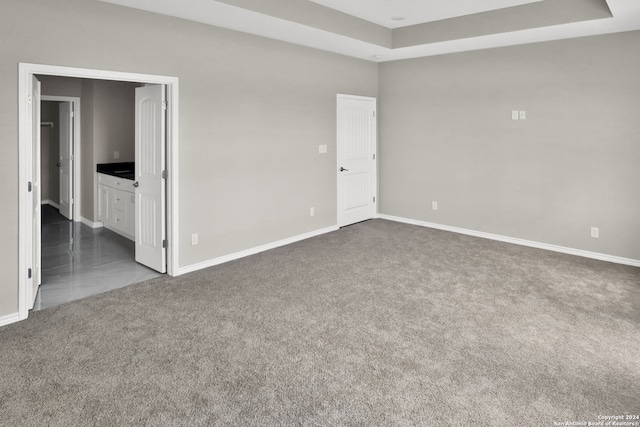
379	323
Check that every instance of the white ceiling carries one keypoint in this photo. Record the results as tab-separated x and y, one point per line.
626	17
415	11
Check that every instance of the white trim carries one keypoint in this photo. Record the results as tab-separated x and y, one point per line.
253	251
24	217
9	318
25	73
77	144
50	202
516	241
87	222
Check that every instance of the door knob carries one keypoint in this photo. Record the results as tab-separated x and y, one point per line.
343	169
59	164
135	184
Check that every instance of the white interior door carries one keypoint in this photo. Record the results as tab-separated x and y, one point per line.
150	204
34	256
65	162
356	155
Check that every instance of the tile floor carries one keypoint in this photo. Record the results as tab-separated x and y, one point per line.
78	261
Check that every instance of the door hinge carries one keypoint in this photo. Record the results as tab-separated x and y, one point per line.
29	186
29	273
374	199
165	243
164	174
164	105
374	156
29	99
374	114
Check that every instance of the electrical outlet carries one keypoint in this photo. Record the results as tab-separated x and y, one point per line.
116	155
194	239
595	232
312	211
322	149
434	206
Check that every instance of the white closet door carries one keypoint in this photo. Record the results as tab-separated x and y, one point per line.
356	148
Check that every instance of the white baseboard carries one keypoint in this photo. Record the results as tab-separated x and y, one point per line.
253	251
9	318
516	241
50	202
97	224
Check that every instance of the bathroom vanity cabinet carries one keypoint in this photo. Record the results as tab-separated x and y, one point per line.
116	204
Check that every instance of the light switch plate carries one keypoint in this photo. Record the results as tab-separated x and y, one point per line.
322	149
523	115
514	115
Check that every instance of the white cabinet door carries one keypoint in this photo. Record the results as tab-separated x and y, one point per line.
150	223
130	208
103	205
116	205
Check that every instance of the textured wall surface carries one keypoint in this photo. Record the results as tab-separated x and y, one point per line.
252	114
446	135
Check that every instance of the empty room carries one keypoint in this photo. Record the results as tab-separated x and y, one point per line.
334	212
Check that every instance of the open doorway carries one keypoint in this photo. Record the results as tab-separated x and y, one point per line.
60	119
157	178
80	255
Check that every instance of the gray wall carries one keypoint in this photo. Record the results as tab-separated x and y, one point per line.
252	114
446	135
50	152
113	130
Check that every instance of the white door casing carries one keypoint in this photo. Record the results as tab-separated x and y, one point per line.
27	250
65	162
150	213
356	157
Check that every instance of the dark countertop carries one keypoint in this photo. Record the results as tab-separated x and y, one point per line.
126	170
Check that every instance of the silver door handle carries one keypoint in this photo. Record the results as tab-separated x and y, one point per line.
59	164
343	169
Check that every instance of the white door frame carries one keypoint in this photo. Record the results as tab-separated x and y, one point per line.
25	73
339	190
75	101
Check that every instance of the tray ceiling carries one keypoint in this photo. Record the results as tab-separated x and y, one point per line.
402	13
364	28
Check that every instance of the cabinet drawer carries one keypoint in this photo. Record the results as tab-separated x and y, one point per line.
120	200
120	220
115	182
